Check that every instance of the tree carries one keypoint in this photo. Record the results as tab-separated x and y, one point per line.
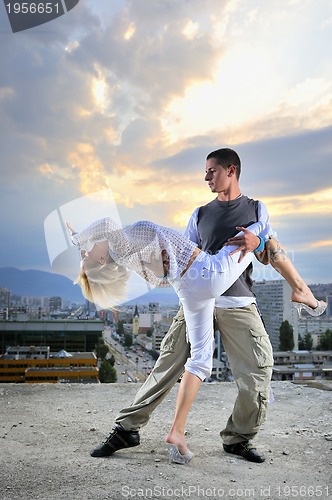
128	340
111	359
308	342
325	341
101	349
286	338
107	373
301	343
120	329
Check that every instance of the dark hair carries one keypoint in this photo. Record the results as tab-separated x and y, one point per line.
226	157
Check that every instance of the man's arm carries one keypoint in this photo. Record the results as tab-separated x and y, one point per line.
263	216
246	241
191	231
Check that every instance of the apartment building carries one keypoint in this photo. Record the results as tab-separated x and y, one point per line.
72	335
302	365
274	303
36	364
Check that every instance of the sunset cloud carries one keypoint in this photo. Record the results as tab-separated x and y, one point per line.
131	96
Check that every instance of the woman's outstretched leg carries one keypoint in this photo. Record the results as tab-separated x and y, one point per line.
279	260
188	389
199	321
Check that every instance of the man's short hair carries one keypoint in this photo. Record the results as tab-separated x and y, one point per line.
226	157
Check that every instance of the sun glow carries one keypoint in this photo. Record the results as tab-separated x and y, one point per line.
312	203
229	99
191	29
129	33
100	92
321	243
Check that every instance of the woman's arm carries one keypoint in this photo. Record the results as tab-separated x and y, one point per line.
102	230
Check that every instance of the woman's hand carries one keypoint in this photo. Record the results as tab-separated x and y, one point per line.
70	229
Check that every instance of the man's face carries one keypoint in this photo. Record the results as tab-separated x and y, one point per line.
217	177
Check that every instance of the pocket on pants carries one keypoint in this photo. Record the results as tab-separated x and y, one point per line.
176	333
262	408
262	349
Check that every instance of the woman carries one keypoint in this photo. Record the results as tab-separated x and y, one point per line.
164	257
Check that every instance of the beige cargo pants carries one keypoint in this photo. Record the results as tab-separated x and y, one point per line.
250	356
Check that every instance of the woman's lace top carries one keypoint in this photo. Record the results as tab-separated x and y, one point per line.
139	247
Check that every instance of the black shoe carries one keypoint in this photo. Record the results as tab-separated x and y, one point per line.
117	439
244	450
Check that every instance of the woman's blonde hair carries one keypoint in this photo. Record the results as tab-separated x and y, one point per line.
104	285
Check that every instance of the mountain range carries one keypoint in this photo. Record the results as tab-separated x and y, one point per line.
35	283
39	284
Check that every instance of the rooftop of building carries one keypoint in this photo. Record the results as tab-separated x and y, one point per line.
52	355
48	430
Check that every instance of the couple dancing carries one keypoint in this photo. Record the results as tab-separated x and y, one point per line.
164	257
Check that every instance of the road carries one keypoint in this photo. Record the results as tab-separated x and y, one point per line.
130	366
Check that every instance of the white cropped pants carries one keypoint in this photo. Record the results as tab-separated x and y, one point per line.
208	277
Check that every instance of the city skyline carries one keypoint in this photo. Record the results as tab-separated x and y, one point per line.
131	97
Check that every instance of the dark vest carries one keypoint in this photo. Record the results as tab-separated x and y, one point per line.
217	222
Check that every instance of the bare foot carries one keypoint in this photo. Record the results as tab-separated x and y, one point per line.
305	296
178	440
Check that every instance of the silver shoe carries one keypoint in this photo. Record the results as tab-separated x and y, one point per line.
176	457
313	311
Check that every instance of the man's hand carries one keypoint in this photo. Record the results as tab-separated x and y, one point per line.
245	242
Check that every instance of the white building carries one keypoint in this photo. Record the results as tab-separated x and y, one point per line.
30	352
160	329
274	303
314	326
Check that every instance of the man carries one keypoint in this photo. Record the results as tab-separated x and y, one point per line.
243	335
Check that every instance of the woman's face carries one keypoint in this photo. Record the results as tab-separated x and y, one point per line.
98	255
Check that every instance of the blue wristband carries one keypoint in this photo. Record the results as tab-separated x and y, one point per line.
261	245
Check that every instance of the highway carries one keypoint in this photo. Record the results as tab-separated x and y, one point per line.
130	365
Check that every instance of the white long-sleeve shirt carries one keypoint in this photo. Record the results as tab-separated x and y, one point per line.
138	247
192	233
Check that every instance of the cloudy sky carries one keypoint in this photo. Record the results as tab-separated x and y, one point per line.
131	96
